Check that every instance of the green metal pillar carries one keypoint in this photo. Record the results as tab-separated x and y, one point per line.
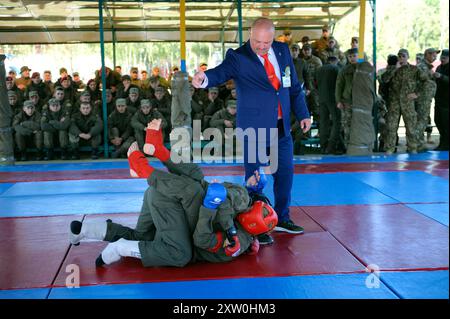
374	59
114	45
103	70
239	10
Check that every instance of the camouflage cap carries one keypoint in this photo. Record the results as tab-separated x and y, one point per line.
403	51
231	103
431	50
28	103
121	101
159	89
295	46
444	53
33	93
59	88
214	89
85	93
133	69
24	68
306	46
134	91
76	74
352	51
12	93
53	101
145	102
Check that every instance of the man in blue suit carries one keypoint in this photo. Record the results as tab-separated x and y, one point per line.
268	90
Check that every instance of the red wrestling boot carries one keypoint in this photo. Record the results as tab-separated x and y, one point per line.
138	163
154	144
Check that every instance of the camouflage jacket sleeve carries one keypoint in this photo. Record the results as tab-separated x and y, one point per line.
204	235
97	128
135	123
63	123
217	119
17	125
73	128
127	133
45	125
387	76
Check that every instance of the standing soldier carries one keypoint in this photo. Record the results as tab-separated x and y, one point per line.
55	123
332	50
119	125
442	101
48	81
404	81
225	118
141	118
322	43
27	127
312	64
426	95
85	127
133	100
344	84
25	79
38	85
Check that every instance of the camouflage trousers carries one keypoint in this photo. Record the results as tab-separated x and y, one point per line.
407	110
423	107
123	148
33	140
75	140
313	105
61	136
346	122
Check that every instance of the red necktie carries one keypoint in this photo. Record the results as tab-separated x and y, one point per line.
272	78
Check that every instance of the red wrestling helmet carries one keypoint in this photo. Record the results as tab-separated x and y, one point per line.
258	219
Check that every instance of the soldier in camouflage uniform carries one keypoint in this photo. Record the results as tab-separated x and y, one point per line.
405	81
133	100
426	95
37	101
179	223
344	85
120	131
14	103
85	127
27	129
333	50
312	64
55	124
141	118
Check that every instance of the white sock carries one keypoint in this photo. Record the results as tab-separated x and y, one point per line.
121	248
93	230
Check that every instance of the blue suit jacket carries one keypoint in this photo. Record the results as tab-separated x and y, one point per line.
257	102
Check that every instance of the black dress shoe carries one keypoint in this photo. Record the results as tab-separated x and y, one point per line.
265	239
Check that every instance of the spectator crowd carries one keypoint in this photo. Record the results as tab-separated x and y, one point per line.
57	118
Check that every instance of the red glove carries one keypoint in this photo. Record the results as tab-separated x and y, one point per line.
139	165
254	247
233	250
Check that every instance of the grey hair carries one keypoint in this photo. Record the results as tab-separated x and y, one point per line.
263	22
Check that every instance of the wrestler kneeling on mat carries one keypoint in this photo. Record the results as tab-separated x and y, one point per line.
183	217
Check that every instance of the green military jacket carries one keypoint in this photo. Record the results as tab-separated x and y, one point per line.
312	64
220	116
344	84
26	125
403	81
139	120
121	121
55	121
428	90
90	124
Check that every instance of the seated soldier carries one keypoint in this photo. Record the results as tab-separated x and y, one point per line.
119	128
225	118
85	97
37	101
163	104
55	124
39	86
141	118
197	107
110	102
183	218
95	94
133	100
123	90
14	102
86	127
65	104
27	129
214	104
70	93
